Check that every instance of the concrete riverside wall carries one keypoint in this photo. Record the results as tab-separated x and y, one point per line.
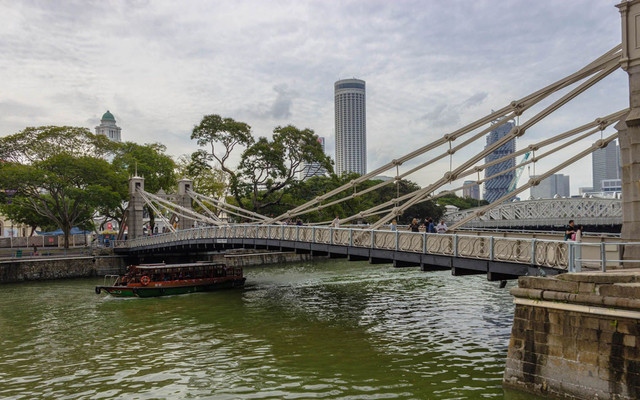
100	265
60	268
576	336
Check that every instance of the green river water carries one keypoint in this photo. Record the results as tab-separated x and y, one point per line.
328	329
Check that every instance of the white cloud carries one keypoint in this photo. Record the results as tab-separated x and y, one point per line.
430	66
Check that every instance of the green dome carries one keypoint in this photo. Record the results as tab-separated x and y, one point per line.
108	116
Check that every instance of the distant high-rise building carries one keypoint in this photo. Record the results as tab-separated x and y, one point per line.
605	164
351	126
314	168
497	187
108	127
556	184
471	191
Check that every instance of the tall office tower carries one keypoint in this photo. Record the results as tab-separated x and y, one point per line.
314	168
351	126
499	186
556	184
471	191
605	164
108	127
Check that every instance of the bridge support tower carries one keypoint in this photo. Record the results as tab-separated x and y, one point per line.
629	130
184	200
134	210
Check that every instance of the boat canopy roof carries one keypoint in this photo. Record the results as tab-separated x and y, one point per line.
171	266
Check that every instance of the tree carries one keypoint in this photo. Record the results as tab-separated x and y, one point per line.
462	203
39	143
267	166
64	188
222	134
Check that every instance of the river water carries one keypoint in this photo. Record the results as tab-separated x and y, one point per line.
329	329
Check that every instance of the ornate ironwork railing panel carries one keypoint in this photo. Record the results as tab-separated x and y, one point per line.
548	253
440	244
384	240
514	250
474	247
410	241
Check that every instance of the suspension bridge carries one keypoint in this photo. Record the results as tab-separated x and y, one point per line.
498	257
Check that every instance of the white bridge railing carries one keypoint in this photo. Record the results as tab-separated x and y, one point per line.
532	251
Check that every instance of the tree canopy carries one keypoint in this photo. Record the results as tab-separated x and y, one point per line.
266	165
61	176
63	189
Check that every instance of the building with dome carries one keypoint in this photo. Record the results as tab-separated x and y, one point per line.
109	128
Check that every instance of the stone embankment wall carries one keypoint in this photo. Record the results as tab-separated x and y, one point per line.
576	336
103	263
59	268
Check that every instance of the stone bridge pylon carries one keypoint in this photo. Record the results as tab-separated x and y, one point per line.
138	199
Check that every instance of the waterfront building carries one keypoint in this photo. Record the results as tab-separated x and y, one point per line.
555	185
109	128
605	164
350	126
313	169
472	192
497	187
611	185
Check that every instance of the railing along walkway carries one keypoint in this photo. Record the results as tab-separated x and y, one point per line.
537	252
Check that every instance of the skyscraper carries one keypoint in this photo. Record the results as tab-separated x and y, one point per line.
499	186
471	191
108	127
605	164
351	126
556	184
314	168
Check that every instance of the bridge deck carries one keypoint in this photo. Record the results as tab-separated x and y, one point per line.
498	257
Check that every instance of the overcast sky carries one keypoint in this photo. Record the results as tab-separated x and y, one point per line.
429	66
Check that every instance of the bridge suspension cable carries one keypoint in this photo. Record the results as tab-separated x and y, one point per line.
601	67
174	208
601	143
226	207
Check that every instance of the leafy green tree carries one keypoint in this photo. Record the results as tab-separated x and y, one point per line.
222	135
302	191
462	203
39	143
269	166
64	189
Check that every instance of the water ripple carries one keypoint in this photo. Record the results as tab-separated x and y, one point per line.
326	330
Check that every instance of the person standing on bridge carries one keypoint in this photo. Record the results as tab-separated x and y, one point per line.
431	227
414	227
336	222
393	226
569	231
442	227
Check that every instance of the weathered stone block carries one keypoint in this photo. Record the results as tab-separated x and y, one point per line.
555	330
587	287
625	290
629	340
589	357
608	325
535	282
588	346
600	277
628	327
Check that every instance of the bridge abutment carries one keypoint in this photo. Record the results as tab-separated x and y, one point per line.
629	131
576	336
